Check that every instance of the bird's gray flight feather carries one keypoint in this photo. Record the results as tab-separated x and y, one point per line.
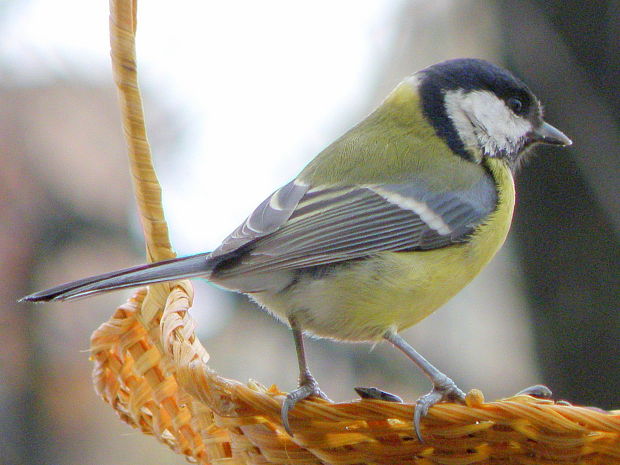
324	225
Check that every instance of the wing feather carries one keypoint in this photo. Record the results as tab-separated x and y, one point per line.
320	226
268	217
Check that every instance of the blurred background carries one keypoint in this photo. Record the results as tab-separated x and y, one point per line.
238	97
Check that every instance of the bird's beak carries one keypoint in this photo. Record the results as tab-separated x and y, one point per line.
547	134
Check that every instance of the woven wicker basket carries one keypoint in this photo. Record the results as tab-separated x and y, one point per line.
151	368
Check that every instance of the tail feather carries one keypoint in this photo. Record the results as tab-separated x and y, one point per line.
169	270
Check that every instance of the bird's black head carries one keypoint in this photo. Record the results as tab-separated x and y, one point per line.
482	110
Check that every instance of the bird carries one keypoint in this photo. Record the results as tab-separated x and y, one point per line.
383	226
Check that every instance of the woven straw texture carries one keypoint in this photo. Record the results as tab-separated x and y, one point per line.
151	368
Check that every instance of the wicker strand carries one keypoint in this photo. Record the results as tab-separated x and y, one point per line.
150	367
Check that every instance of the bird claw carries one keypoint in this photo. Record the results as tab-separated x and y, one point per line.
446	390
307	388
539	390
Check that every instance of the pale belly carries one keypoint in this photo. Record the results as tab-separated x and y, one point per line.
361	300
391	291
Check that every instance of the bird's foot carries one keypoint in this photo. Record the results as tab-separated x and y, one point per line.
539	390
308	387
378	394
444	389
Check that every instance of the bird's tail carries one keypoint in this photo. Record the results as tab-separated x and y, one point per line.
176	268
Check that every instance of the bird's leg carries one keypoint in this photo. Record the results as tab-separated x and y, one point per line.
308	386
443	387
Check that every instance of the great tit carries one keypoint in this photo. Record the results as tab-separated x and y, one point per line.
384	226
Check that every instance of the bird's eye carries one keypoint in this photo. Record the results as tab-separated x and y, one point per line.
515	105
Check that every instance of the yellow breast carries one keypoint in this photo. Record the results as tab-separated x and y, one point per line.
440	274
395	290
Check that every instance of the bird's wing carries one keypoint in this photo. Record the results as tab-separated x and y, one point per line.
267	218
301	227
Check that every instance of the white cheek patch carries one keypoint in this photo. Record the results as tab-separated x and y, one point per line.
483	121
